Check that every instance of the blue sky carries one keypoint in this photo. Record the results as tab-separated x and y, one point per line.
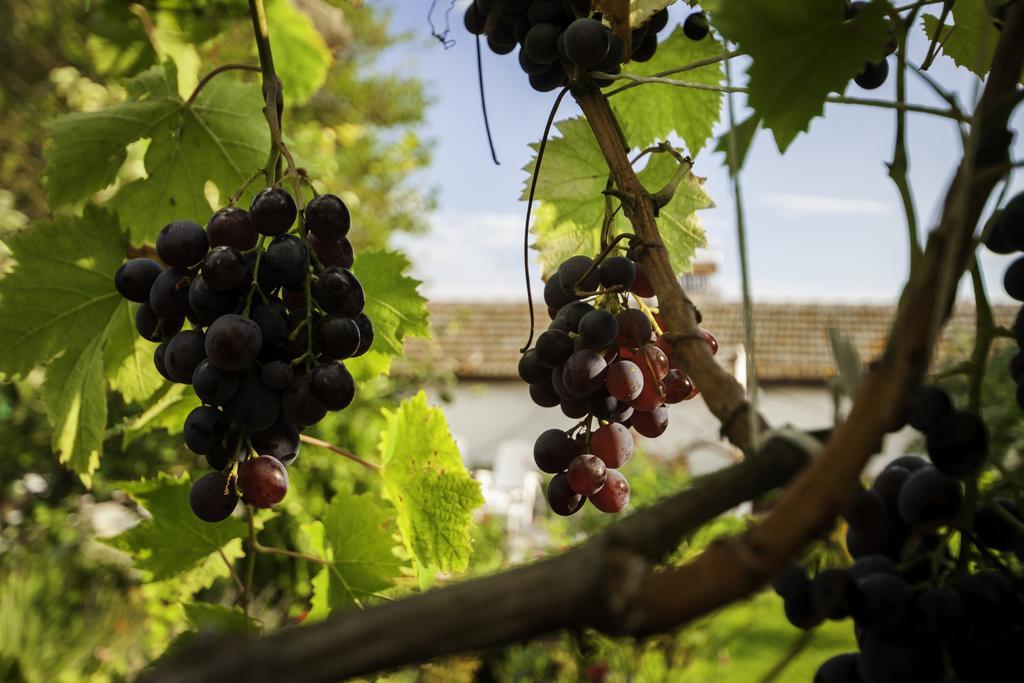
824	221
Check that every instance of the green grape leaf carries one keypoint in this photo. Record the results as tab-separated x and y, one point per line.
801	52
128	358
301	57
555	239
429	486
744	131
651	112
641	10
204	616
86	150
221	137
74	394
971	41
165	410
395	307
60	294
678	222
356	535
173	541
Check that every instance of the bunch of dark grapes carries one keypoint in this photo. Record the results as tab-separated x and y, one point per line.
1006	236
557	38
917	615
273	312
605	364
874	73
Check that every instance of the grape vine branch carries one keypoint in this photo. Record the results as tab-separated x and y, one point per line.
610	582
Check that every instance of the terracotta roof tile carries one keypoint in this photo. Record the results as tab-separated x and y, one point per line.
482	340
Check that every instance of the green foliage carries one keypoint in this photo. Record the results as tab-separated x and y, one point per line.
650	113
801	52
744	132
395	307
203	616
301	57
573	177
174	540
356	537
425	480
971	40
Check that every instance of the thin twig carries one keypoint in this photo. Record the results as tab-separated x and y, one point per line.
799	644
216	72
724	57
933	46
313	441
268	550
250	567
234	575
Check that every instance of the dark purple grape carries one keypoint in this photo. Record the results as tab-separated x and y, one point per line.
929	407
586	43
554	348
502	39
583	373
554	296
635	328
587	474
225	269
928	496
829	593
159	353
546	81
327	217
561	498
332	385
872	564
288	260
277	374
182	244
866	512
206	304
910	463
574	408
598	329
642	52
272	319
204	427
213	385
266	282
273	211
571	272
232	227
365	334
531	370
888	484
792	582
263	481
651	424
1007	235
942	607
225	449
152	328
873	75
695	27
1013	279
232	342
554	450
280	441
550	11
255	406
298	333
540	44
336	253
839	669
474	20
212	497
994	529
571	314
185	351
884	604
528	65
169	295
959	444
135	278
614	495
337	337
299	406
338	291
545	395
608	408
617	271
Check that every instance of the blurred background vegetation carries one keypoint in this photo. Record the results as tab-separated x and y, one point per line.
72	608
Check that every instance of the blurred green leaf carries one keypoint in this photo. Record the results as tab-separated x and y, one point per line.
301	57
204	616
744	132
678	222
431	489
971	40
129	358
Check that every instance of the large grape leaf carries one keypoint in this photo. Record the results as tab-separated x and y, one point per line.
173	541
971	40
60	294
678	222
301	57
429	486
641	10
801	51
221	137
74	395
356	535
129	358
744	132
395	307
649	113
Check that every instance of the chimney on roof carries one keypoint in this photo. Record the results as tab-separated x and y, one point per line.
700	280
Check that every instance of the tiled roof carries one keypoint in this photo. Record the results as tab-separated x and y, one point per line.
482	340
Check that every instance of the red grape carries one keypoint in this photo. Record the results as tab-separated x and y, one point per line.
613	444
562	499
263	481
710	339
587	474
624	380
650	398
642	286
677	386
652	360
651	424
614	495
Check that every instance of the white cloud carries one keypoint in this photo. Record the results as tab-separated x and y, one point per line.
795	203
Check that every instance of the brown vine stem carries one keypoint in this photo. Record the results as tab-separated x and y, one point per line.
344	452
722	393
